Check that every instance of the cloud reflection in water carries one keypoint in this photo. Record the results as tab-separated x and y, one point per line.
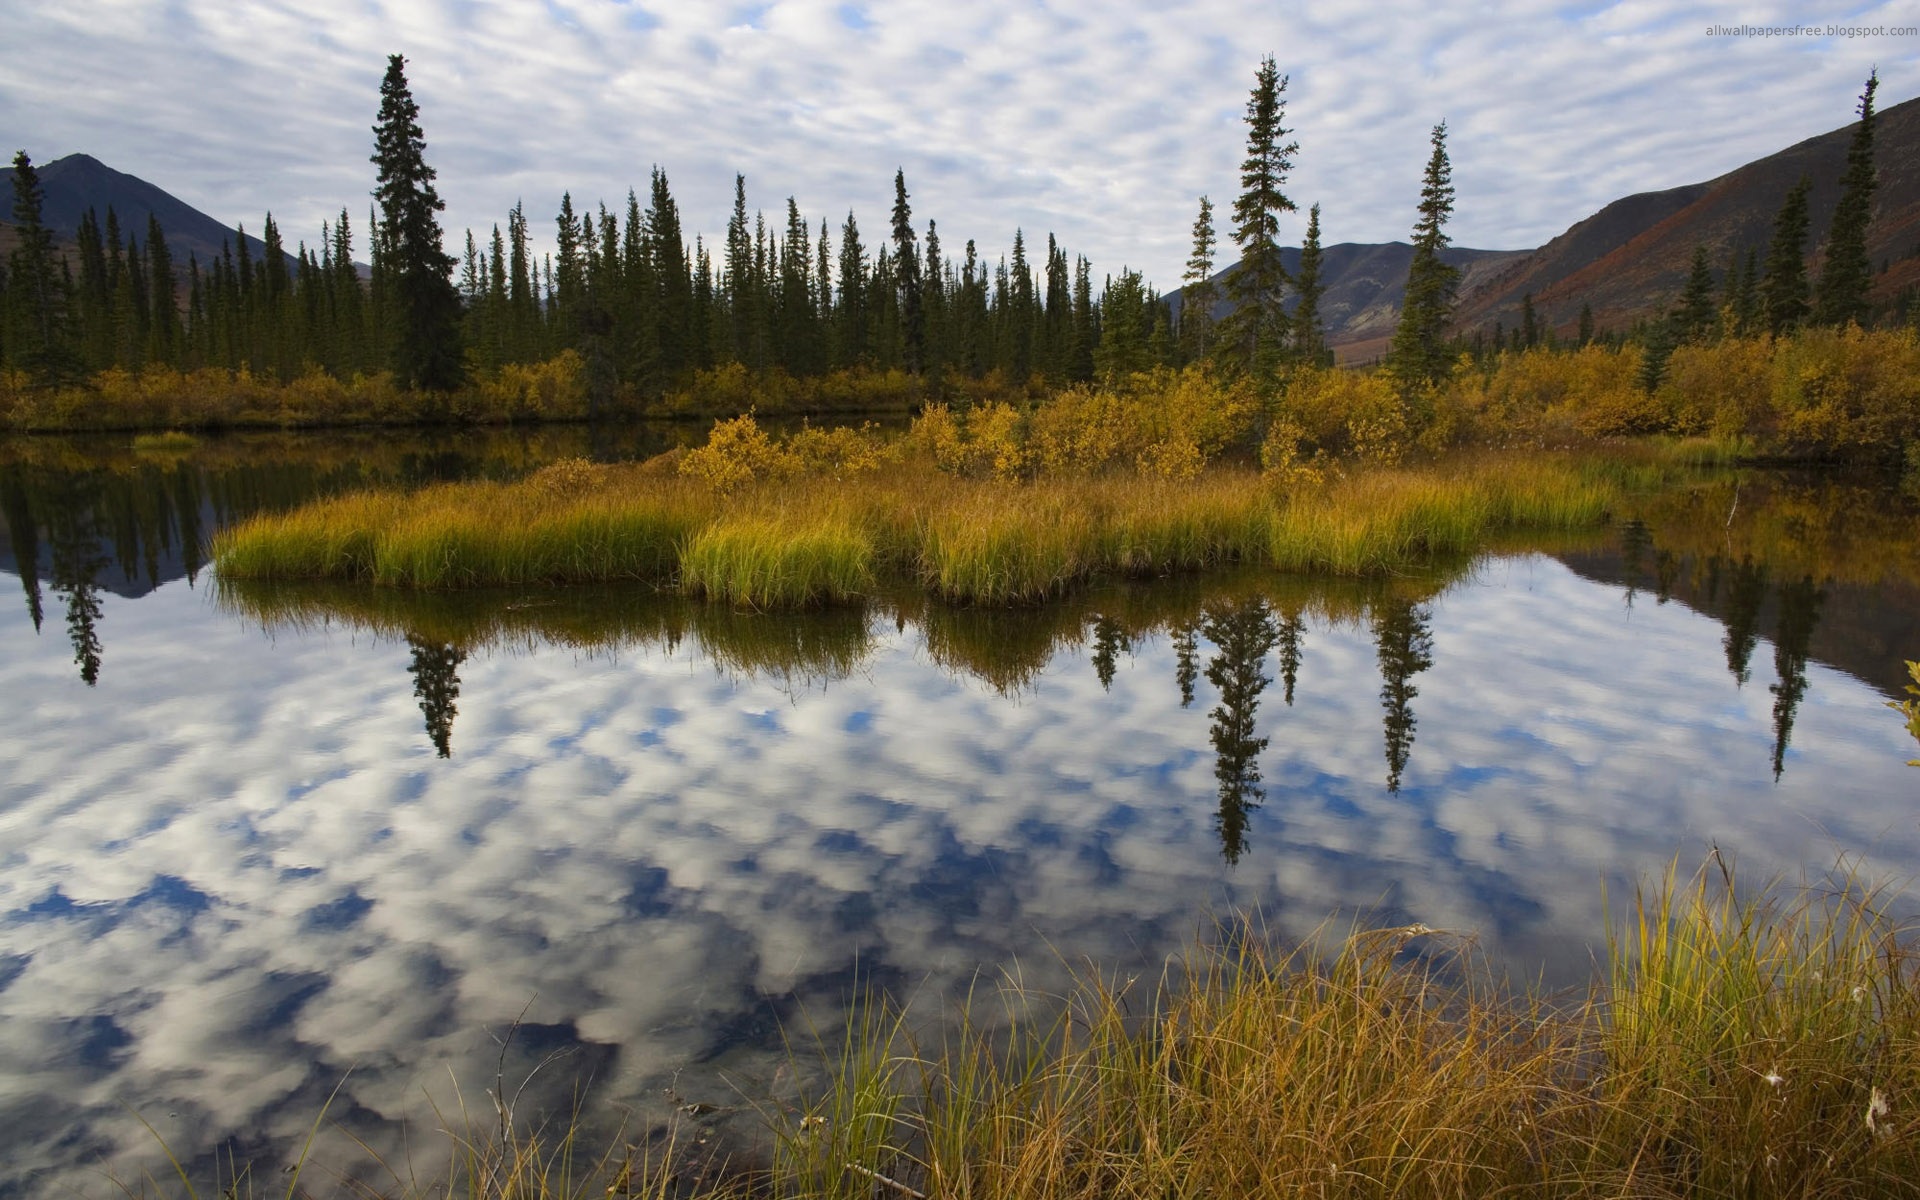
238	867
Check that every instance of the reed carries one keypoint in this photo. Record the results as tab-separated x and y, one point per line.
1755	1044
779	561
807	540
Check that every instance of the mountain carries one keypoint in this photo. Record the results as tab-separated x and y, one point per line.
1631	258
79	181
1365	284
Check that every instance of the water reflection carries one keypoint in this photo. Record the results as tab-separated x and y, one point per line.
436	682
1404	641
1243	633
1799	614
679	827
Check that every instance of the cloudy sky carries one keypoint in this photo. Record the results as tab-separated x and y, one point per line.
1101	123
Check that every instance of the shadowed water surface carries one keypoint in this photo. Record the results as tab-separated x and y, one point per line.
257	840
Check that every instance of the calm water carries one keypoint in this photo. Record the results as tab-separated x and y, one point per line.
255	842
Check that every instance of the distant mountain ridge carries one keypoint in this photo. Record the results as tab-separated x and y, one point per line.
73	184
1630	259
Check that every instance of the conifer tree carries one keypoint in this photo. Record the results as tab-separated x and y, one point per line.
1020	316
1847	275
36	316
851	339
1418	354
1529	323
1586	323
906	264
1086	329
666	260
1057	320
1126	326
349	311
1784	292
1309	335
163	326
1255	333
426	349
739	274
1696	315
934	304
1200	293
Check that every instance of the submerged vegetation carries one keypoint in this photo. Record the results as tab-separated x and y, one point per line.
1734	1045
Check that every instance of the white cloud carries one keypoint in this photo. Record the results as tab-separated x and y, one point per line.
1099	124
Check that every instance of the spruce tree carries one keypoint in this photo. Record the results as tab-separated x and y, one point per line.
163	326
1696	315
426	346
1254	335
666	250
1200	293
1784	291
1309	335
1847	275
851	340
906	264
36	316
1418	353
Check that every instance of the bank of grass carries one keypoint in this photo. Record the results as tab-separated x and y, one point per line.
1745	1047
811	539
1733	1045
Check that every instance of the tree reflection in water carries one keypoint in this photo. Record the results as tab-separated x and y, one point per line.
1244	633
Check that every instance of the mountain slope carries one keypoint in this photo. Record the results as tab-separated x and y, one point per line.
1631	258
79	181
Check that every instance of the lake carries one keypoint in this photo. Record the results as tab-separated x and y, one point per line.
264	846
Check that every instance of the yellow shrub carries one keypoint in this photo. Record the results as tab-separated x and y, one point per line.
738	452
567	478
1079	432
1850	393
838	453
1719	389
1175	457
1334	409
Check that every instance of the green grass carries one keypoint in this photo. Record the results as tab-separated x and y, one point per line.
814	541
1734	1044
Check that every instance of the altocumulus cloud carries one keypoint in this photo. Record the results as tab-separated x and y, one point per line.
1099	123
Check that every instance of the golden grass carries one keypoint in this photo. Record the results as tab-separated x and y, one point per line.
813	540
1735	1045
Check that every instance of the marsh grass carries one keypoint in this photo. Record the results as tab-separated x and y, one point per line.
810	541
1739	1044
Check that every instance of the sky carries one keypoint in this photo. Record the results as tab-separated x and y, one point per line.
1100	123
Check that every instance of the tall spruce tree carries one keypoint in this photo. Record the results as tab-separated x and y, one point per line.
426	345
906	265
1309	335
36	314
1255	334
1200	293
1847	275
1783	294
1418	353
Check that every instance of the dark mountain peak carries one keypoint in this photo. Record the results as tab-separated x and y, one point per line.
78	182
